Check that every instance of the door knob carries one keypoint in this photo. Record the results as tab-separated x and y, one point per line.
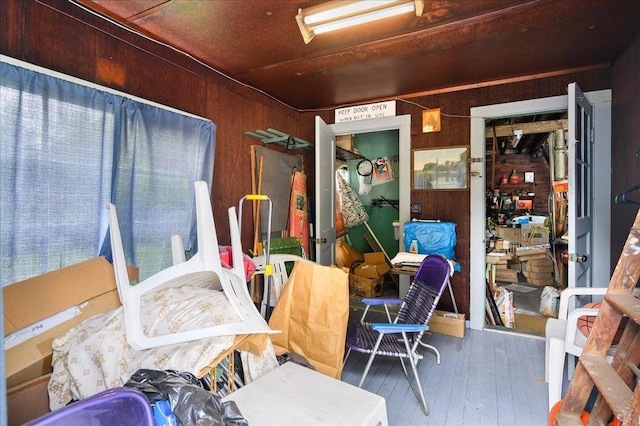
573	257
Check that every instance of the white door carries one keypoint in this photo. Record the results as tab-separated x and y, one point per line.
601	170
325	209
325	214
580	201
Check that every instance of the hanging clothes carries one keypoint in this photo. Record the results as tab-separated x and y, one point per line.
353	212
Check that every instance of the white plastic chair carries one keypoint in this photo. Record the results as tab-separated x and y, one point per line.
203	269
279	276
563	337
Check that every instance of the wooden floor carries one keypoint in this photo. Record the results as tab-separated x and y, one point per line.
487	378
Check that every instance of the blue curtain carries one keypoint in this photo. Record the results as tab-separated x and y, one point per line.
66	150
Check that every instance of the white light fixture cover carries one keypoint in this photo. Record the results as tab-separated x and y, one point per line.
338	14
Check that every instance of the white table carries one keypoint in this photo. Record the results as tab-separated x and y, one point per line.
295	395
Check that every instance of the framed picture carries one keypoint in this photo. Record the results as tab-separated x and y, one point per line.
439	168
431	120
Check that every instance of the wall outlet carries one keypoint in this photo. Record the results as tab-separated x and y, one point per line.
416	208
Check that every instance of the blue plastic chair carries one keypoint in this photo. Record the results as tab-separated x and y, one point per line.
402	337
118	406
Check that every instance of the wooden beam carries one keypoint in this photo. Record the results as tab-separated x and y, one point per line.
527	128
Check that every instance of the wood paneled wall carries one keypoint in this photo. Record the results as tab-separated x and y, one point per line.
62	37
522	163
625	144
454	206
59	36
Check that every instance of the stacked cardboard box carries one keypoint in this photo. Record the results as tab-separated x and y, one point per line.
504	266
38	310
524	254
539	272
507	275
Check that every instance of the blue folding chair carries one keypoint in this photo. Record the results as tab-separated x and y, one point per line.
402	337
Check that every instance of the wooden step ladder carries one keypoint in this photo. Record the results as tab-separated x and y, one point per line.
616	383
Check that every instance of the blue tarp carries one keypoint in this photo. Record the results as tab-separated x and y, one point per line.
432	237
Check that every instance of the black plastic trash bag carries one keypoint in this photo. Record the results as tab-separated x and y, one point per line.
191	404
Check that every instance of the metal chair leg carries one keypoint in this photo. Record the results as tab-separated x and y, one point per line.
420	395
373	354
431	348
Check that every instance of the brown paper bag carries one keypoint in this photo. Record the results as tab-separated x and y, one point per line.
312	313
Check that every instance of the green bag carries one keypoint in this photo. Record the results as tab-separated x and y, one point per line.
290	245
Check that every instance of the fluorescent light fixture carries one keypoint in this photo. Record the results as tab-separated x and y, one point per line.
339	14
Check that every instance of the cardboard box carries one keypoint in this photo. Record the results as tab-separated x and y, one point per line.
532	254
365	287
535	234
345	142
539	278
508	233
502	244
79	291
533	267
508	275
28	401
374	266
448	323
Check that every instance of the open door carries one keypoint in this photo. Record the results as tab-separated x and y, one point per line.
325	212
595	162
325	152
580	195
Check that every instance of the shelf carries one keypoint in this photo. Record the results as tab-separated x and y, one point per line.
291	142
280	138
516	185
345	155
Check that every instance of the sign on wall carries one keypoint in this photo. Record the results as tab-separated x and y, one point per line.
365	112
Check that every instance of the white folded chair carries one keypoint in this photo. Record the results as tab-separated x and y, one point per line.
278	273
203	269
564	340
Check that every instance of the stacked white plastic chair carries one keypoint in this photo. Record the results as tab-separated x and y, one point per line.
278	273
564	340
201	270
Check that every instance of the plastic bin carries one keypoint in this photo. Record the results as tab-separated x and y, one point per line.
117	406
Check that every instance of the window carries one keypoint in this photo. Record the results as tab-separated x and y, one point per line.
67	149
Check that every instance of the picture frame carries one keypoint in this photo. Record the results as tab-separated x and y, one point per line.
443	168
431	120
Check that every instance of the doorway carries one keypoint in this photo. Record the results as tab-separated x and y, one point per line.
377	190
601	101
523	246
325	154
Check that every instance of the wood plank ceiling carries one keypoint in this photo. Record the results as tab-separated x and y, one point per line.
454	43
